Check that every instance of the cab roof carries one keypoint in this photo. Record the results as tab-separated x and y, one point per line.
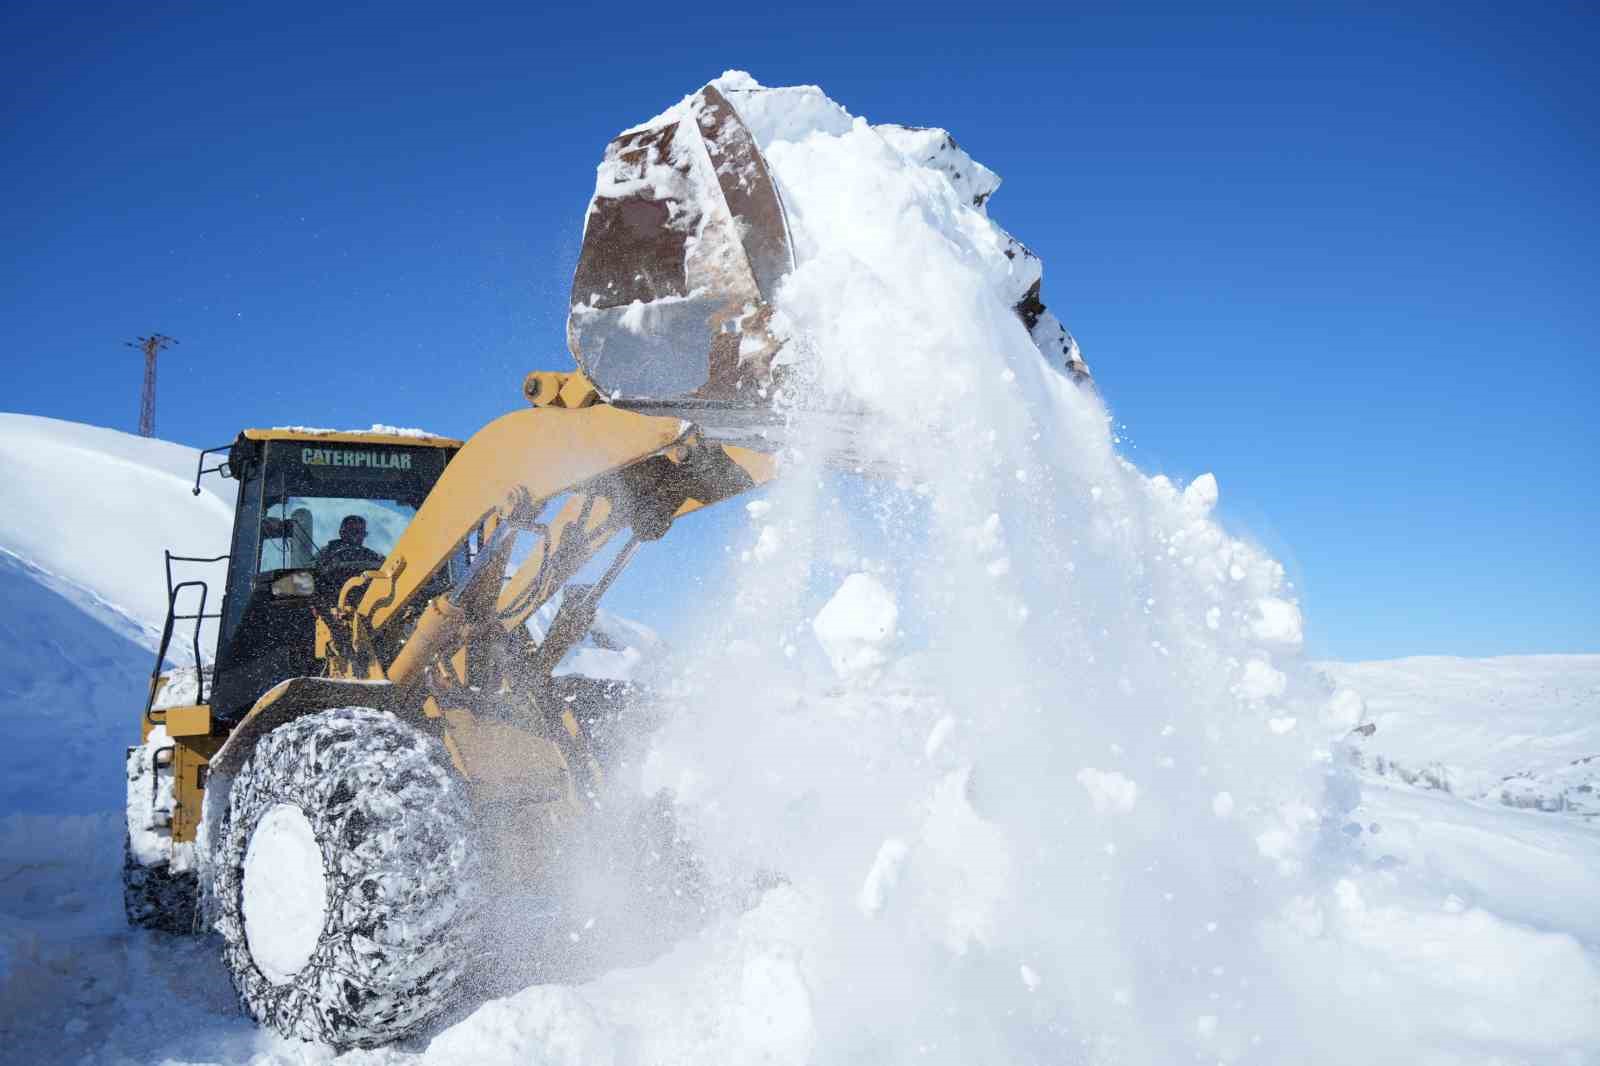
413	438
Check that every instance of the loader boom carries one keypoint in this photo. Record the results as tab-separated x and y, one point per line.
565	482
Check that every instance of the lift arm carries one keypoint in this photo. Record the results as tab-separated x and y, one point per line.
598	470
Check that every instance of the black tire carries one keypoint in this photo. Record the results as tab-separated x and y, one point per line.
153	897
394	828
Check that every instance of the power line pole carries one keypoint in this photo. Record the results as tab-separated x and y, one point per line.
147	401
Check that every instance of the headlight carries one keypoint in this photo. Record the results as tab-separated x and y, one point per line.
295	583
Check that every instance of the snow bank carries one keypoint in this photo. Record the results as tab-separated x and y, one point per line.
70	692
91	510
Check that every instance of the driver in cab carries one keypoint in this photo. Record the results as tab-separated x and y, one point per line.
350	550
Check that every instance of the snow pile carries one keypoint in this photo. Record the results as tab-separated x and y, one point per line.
90	510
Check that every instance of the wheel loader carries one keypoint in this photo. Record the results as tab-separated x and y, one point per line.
381	751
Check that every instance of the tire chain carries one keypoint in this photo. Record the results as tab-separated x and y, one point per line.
400	861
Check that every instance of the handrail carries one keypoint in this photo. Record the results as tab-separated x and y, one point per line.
198	618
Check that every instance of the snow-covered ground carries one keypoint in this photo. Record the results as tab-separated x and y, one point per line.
1020	741
1468	927
1520	730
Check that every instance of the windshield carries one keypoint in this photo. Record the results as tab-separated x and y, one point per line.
301	527
343	504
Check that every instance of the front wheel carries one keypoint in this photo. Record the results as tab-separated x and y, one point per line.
346	879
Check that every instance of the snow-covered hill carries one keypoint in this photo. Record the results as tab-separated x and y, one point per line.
91	510
1521	730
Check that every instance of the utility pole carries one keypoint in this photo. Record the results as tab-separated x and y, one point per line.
147	401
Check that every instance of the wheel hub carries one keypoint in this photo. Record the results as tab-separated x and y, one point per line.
284	893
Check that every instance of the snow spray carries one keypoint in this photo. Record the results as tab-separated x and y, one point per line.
1038	777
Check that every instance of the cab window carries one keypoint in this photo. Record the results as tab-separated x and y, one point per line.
300	527
314	488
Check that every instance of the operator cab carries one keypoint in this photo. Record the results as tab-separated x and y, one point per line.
315	509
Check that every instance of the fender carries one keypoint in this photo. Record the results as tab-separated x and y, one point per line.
300	696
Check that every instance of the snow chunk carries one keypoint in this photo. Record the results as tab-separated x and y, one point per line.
857	625
937	736
1345	709
1277	622
1109	791
1201	495
883	875
768	544
1261	681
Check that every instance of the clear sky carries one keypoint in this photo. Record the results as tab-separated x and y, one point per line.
1345	259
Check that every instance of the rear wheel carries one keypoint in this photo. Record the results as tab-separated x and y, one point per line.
346	879
157	892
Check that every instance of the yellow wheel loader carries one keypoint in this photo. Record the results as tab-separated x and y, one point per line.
380	750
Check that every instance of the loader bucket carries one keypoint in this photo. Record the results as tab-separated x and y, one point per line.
684	244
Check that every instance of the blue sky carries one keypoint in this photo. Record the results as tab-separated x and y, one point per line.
1344	258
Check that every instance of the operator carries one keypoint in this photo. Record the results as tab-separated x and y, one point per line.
349	551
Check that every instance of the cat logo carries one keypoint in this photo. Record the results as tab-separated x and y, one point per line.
362	460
